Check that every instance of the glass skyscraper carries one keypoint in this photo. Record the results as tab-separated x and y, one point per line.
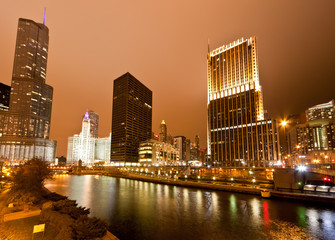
131	118
238	134
25	128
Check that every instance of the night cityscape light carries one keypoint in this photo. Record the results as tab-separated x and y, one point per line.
217	120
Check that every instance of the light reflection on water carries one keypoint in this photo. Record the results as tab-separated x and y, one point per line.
141	210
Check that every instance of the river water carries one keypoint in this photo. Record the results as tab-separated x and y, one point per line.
142	210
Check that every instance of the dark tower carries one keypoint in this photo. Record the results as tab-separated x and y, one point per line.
131	118
163	132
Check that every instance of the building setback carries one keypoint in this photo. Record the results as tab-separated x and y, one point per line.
131	118
25	128
238	134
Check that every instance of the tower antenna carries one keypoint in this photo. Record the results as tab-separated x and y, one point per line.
208	46
45	10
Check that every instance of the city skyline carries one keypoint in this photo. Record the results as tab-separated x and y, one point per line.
288	68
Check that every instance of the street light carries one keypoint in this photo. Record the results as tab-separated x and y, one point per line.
283	124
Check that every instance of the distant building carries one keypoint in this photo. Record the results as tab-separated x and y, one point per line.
314	141
157	153
188	150
25	128
169	139
163	132
82	146
60	161
180	144
94	123
103	149
325	111
238	133
131	119
4	97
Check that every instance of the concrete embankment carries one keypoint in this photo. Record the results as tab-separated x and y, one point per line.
329	199
186	183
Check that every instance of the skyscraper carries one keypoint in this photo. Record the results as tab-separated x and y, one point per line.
82	146
131	118
238	134
94	123
180	143
25	127
163	132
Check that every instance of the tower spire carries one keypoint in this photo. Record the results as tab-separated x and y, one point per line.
45	10
208	46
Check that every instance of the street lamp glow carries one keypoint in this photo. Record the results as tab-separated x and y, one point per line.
283	123
302	168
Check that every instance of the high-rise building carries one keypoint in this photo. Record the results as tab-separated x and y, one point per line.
321	112
131	118
25	128
163	132
94	123
314	140
82	146
238	134
4	97
103	149
179	142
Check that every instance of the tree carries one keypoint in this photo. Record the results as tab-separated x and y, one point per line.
27	182
88	228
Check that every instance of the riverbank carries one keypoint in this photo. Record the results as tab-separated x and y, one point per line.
315	198
18	221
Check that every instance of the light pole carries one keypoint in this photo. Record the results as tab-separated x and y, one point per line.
283	124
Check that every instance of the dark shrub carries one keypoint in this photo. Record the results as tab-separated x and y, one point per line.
88	228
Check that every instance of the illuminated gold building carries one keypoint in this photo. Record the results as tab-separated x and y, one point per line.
238	134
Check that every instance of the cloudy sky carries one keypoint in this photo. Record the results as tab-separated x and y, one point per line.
164	45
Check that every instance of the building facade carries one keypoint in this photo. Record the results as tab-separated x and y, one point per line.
314	140
103	149
25	128
163	132
179	143
94	123
157	153
82	146
131	118
4	97
238	134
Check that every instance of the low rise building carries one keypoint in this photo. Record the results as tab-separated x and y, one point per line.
154	152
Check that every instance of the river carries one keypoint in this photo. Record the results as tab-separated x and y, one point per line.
142	210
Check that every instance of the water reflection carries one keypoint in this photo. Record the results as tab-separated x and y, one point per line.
141	210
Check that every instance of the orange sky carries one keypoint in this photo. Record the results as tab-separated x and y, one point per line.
164	45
